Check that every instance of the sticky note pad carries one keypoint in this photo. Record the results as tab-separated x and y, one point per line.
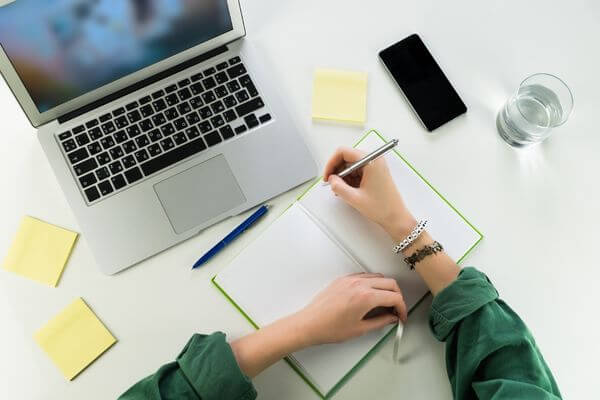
340	95
40	251
74	338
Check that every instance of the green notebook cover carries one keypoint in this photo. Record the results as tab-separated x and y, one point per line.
383	339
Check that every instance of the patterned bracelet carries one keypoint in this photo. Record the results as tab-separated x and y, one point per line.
411	237
423	252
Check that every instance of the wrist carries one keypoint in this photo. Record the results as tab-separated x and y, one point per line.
399	225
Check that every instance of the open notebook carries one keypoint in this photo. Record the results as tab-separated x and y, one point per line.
318	239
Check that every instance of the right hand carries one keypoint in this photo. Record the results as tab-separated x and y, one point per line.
371	191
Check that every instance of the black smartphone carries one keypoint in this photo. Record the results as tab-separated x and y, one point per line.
422	81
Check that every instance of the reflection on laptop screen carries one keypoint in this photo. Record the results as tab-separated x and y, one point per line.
62	49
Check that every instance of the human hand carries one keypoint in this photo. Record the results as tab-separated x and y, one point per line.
370	190
338	312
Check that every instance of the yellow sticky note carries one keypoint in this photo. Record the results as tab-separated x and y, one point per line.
340	95
40	251
74	338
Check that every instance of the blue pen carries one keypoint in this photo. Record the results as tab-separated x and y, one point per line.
233	235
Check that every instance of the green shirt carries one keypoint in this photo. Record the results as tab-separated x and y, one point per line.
490	354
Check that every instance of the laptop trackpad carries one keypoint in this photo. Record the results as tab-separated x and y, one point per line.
199	194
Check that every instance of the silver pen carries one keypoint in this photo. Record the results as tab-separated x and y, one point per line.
367	159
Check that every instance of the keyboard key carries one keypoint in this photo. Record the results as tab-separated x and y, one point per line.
226	132
133	175
94	148
102	173
105	117
64	135
69	145
172	99
184	108
264	118
129	147
192	118
92	123
167	129
95	133
236	71
134	116
107	142
92	194
173	156
222	66
209	71
145	100
78	129
146	125
205	112
147	111
209	83
116	152
171	114
103	158
85	166
132	106
217	121
251	121
120	136
221	91
245	80
82	139
197	88
133	131
109	127
128	161
197	77
196	102
180	124
121	122
154	135
142	141
159	105
171	88
217	107
233	86
78	155
242	96
158	94
234	60
229	101
184	94
115	167
229	115
105	188
204	126
167	144
179	138
192	133
221	77
88	180
240	129
118	181
249	85
159	119
118	111
154	150
249	106
213	138
183	83
208	97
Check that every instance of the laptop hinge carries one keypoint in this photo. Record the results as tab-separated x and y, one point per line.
141	84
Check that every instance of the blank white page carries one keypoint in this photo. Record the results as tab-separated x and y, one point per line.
371	245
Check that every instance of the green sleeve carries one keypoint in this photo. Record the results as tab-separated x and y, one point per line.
490	353
206	369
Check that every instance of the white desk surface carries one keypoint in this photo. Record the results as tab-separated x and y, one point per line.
538	208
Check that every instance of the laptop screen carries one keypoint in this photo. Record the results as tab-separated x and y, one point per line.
62	49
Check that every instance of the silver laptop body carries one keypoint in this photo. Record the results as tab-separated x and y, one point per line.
149	186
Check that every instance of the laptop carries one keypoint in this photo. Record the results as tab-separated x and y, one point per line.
157	117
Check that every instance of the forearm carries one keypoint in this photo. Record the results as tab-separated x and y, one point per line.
259	350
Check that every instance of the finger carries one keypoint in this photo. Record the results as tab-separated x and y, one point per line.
341	156
386	298
367	275
348	193
371	324
383	283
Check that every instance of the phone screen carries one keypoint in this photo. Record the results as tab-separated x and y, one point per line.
424	84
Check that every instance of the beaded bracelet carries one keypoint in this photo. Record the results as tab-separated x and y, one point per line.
411	237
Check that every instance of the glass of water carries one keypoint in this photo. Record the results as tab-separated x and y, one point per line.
542	102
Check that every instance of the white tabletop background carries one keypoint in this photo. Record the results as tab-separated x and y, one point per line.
538	208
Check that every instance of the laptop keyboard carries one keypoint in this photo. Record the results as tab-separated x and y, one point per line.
118	149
